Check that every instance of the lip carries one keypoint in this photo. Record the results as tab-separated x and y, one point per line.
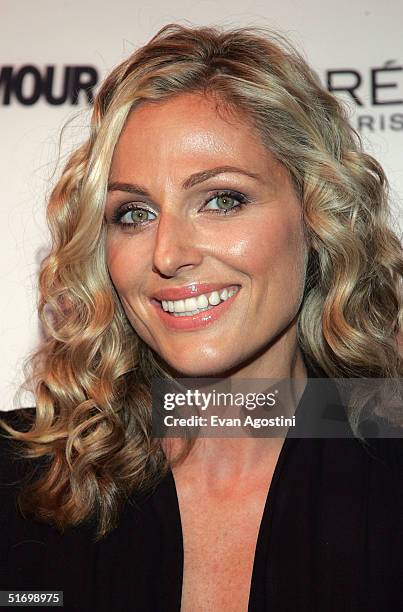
193	322
192	290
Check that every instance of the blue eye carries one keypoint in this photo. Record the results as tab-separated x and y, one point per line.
227	202
133	216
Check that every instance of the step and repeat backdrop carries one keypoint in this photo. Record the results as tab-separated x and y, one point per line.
54	54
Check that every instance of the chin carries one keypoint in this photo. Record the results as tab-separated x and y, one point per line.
195	371
201	367
191	364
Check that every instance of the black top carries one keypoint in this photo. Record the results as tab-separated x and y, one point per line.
330	538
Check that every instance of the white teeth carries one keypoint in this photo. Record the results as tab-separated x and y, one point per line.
214	298
193	312
202	301
190	304
194	305
179	306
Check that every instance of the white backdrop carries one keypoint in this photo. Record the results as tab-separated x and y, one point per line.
353	45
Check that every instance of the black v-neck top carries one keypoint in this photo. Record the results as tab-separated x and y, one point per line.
330	537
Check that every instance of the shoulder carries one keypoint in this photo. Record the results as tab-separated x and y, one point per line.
386	456
20	418
15	470
14	467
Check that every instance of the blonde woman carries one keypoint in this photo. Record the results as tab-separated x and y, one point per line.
222	220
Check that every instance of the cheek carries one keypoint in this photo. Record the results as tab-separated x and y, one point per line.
124	264
273	245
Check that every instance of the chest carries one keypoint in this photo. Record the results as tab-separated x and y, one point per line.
219	540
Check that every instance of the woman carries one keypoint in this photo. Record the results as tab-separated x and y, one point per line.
219	171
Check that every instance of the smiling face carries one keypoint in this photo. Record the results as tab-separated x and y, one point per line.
196	204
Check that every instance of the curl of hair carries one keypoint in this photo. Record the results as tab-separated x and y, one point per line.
91	375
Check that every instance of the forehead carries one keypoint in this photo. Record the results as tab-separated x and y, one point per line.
187	129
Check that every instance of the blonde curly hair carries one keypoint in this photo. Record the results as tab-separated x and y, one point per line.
91	375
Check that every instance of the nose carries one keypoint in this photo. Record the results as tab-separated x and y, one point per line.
175	245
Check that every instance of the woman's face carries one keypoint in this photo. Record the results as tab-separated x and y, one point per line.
196	204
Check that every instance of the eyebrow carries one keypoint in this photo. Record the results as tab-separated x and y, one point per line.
191	181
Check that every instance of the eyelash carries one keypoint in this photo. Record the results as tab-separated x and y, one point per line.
235	195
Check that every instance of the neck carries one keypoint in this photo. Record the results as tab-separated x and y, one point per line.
224	459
